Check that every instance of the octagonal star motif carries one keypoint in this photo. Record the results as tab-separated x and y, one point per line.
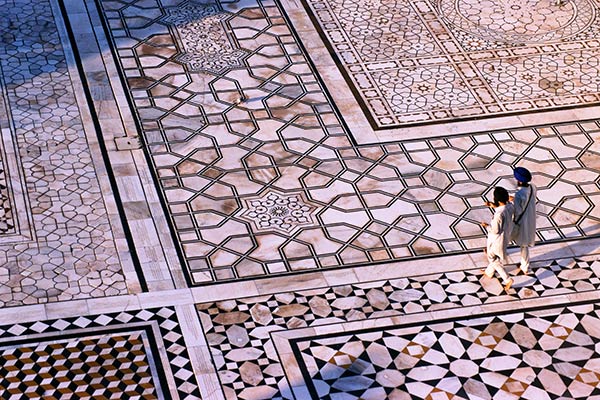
282	212
202	37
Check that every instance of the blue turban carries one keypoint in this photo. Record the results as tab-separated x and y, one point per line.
522	174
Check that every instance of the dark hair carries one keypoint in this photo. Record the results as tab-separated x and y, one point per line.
500	195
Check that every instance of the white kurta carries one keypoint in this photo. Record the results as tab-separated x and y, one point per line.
499	232
524	233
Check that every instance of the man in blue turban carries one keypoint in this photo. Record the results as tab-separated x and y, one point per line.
523	234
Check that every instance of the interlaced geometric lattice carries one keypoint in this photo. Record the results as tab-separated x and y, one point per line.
520	22
61	198
220	141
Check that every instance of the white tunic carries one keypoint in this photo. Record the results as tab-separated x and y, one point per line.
524	233
499	231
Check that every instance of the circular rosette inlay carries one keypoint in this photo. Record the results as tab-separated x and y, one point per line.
513	21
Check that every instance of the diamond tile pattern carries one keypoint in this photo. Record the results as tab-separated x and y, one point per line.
221	141
533	355
115	365
110	367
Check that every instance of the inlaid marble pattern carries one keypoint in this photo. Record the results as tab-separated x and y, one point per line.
74	253
260	178
7	221
221	142
537	355
93	367
200	31
240	331
134	354
414	62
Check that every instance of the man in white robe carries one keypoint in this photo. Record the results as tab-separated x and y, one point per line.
499	230
523	234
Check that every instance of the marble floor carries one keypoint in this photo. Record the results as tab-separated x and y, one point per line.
261	199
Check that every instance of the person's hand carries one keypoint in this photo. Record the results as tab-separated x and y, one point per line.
489	204
484	224
511	198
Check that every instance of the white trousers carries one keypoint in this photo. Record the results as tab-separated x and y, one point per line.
496	265
524	258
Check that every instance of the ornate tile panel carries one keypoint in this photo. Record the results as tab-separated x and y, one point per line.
7	219
131	354
203	38
114	366
240	331
15	223
223	142
415	62
533	355
74	254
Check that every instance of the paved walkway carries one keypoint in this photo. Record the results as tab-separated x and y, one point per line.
261	199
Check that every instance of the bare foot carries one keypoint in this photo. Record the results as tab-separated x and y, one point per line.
484	274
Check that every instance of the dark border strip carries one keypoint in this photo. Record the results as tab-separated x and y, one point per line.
304	370
113	183
155	180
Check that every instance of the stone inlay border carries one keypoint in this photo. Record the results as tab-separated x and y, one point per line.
219	140
239	331
7	221
170	356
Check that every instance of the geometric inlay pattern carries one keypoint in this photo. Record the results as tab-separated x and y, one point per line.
414	62
219	142
7	223
131	354
527	21
97	367
278	211
533	355
203	37
75	252
239	330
